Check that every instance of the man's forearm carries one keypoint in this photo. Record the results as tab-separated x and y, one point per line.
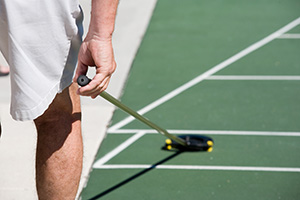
103	16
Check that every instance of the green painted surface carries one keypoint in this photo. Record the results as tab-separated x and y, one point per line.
110	142
232	105
185	39
278	58
190	184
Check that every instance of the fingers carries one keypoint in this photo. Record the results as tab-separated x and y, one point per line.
95	87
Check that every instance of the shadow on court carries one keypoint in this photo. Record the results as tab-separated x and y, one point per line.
135	176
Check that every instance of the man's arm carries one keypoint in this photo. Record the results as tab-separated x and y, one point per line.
96	49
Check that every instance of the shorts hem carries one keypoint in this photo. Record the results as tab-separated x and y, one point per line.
27	115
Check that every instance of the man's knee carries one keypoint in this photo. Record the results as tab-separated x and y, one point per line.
61	114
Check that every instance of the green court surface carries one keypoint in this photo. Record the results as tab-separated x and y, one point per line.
226	69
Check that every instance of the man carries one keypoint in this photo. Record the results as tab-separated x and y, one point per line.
40	40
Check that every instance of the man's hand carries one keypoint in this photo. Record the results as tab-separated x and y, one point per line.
96	49
96	52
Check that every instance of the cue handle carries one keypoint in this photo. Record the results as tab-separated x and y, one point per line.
84	80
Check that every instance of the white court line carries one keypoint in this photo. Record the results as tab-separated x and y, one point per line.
118	149
203	167
141	132
208	73
290	36
267	78
211	132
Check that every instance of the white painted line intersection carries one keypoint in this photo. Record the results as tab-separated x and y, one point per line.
118	149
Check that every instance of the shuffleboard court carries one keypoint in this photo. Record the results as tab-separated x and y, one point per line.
229	70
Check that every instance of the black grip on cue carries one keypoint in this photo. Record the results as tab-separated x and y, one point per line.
83	80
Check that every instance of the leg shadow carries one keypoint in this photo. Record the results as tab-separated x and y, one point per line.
135	176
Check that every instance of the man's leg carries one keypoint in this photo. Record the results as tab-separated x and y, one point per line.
59	147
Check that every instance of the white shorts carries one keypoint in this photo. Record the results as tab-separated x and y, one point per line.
40	40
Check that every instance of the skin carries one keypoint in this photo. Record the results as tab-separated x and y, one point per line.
59	145
4	70
96	50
